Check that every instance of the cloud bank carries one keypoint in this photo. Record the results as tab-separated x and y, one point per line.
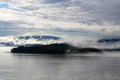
80	18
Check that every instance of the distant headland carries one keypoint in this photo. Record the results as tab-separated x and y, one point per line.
60	48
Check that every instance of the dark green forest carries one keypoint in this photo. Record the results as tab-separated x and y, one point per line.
53	49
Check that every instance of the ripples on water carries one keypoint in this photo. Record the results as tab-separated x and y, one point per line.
55	67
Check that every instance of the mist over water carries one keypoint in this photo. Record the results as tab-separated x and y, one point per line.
104	66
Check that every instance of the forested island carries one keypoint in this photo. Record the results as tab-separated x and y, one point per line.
61	48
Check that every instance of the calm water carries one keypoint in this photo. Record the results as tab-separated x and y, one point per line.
70	67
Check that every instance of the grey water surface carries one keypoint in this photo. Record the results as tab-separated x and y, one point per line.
104	66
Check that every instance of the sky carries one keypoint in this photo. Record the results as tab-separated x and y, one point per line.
76	18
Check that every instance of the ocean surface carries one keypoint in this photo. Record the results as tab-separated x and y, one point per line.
104	66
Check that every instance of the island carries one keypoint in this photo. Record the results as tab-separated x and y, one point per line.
56	48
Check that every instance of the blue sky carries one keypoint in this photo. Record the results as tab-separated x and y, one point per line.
4	6
88	18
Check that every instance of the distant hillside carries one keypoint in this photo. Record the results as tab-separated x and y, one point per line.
38	37
108	40
114	49
53	49
6	43
29	40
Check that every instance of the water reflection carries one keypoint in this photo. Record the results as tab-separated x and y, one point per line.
57	67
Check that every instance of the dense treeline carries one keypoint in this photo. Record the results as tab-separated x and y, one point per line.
53	49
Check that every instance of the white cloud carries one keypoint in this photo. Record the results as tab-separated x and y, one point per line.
94	17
